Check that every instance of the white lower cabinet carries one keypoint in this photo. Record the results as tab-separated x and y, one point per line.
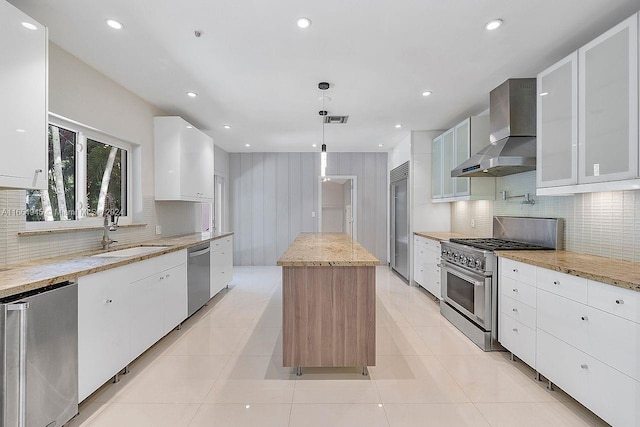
124	311
586	337
426	262
221	264
103	328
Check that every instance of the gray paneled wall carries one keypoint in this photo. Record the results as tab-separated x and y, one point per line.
274	194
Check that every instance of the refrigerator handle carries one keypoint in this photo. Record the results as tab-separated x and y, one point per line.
21	308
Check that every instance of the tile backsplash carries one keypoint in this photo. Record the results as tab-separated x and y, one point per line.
175	217
605	224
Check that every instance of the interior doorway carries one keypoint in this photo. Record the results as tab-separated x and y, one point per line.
337	201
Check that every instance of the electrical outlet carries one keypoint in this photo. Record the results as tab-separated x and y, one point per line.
473	223
158	229
313	214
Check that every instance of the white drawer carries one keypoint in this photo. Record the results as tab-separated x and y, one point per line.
618	301
218	244
432	245
518	338
518	311
419	241
518	291
566	285
608	338
607	392
519	271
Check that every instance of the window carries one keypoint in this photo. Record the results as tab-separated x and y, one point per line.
88	178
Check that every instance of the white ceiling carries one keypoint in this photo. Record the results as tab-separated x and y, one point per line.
254	69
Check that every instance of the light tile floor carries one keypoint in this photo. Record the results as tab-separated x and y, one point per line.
223	368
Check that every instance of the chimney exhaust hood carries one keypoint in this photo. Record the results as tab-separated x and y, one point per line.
512	143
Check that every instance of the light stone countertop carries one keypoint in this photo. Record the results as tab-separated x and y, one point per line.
624	274
441	236
326	249
29	276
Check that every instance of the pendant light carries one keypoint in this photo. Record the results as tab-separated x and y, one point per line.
323	86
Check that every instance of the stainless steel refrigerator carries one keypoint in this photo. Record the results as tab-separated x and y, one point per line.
39	357
399	234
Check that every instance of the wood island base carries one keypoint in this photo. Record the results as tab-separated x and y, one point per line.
329	316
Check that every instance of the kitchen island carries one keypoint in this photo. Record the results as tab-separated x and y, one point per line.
328	302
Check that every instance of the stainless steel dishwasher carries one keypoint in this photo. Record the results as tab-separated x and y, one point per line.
198	277
39	357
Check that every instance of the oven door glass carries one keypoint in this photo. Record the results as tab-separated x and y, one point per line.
461	292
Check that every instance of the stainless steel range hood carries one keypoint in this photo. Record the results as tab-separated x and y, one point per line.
512	143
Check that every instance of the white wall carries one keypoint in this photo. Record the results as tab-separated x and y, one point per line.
273	196
81	93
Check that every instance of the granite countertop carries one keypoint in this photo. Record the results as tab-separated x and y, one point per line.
441	236
624	274
24	277
326	249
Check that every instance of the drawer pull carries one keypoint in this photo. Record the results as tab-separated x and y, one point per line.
584	366
584	318
515	270
109	301
619	301
161	277
515	310
515	329
555	282
515	290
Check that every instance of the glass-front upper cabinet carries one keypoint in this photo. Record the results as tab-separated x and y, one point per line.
608	105
557	127
436	169
462	152
447	163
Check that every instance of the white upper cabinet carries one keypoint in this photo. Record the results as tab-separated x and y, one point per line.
183	161
436	168
23	100
588	117
557	128
452	148
608	105
448	158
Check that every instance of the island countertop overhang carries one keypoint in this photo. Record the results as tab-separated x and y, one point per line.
326	249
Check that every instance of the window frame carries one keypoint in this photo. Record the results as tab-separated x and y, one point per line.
83	133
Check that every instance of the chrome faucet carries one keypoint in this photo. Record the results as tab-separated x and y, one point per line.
109	210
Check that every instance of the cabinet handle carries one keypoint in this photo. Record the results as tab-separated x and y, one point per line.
515	310
109	301
584	366
515	270
167	276
619	301
515	329
555	282
161	277
515	290
584	318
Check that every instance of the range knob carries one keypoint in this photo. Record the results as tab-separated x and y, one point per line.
478	263
456	255
444	252
471	262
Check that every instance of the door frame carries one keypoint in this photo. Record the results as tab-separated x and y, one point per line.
354	200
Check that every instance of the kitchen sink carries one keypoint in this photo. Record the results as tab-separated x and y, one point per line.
125	253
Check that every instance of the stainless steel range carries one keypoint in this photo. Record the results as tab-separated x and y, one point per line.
470	273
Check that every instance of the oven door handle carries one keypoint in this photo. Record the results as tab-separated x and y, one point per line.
461	274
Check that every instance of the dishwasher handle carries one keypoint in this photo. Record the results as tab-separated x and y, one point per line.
200	252
21	308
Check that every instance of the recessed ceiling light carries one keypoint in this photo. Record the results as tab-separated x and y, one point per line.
544	94
29	26
426	93
227	126
493	24
247	145
192	94
314	145
304	22
380	145
189	127
114	24
398	126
